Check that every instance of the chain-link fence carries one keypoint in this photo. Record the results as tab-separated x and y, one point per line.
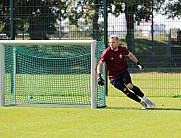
141	26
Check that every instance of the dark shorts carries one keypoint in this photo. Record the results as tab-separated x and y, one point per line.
123	79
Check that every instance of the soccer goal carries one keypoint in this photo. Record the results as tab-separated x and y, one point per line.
50	72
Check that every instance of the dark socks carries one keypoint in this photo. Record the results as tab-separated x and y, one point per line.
137	91
134	97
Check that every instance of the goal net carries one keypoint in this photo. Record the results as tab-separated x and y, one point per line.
50	72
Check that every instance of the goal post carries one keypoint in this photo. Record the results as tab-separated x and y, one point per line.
2	76
55	72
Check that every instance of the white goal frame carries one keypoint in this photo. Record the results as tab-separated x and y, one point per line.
48	42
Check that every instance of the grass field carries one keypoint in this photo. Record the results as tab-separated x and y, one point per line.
154	84
122	118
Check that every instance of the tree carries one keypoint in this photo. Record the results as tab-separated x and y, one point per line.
40	15
135	11
172	9
89	11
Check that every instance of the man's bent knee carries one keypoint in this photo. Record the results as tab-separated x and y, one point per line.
130	86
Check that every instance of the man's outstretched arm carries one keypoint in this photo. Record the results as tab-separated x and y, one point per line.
133	58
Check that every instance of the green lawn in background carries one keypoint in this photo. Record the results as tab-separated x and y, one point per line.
154	84
122	118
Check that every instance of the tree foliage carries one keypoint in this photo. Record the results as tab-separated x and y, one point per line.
40	17
173	9
135	11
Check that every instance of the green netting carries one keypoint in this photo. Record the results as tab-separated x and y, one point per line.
50	75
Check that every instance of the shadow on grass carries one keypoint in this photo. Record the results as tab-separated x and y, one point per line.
175	109
123	108
134	108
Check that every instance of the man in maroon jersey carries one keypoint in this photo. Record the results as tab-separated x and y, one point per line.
117	71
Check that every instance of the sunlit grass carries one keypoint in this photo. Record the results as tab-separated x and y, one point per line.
121	118
154	84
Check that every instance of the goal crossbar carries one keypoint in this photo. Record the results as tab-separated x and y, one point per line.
48	42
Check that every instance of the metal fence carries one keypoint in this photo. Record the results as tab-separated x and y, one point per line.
156	42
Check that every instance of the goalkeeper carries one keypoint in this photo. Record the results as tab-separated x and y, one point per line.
117	71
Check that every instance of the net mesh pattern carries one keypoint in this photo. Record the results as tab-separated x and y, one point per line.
50	75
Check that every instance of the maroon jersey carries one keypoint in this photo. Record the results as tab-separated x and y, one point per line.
115	61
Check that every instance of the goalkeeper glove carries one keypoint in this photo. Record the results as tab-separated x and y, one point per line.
100	80
140	66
